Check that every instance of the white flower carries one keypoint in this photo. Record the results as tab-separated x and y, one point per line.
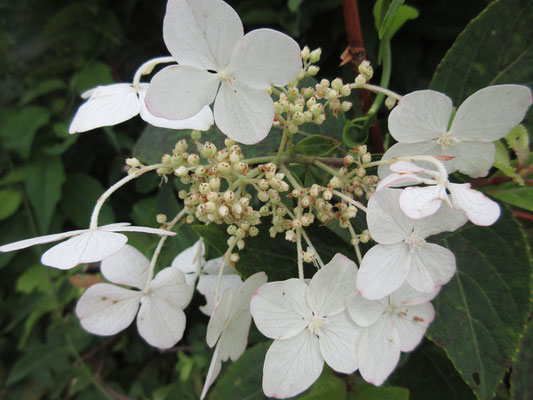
116	103
310	325
420	202
393	324
192	263
106	309
403	253
420	125
84	245
206	38
229	325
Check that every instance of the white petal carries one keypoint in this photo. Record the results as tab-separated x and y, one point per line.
90	246
378	351
432	266
190	259
446	219
490	113
329	287
266	57
212	267
244	294
169	285
365	312
386	221
411	323
405	167
106	309
127	267
201	121
234	338
420	116
180	92
384	268
292	365
430	148
421	202
471	158
201	33
160	323
144	229
396	180
212	374
280	309
407	296
220	317
242	113
478	208
107	105
207	285
22	244
337	341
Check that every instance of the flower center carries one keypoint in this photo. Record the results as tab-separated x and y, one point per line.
446	140
414	241
226	77
316	323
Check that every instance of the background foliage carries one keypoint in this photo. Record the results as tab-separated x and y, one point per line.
51	51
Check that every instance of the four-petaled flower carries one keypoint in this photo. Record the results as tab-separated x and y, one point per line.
206	38
310	325
106	309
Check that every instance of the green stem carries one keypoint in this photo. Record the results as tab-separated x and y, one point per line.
326	168
282	145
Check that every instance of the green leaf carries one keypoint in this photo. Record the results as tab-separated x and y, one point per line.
326	387
42	88
494	48
366	391
92	75
242	379
317	145
35	278
509	192
521	388
389	17
10	200
18	128
482	312
353	135
502	161
36	357
294	5
15	176
43	186
80	194
518	140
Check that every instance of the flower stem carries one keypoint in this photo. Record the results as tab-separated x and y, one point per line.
147	68
300	257
349	200
282	145
326	168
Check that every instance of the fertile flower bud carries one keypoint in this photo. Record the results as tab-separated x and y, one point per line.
214	182
161	218
229	142
360	80
204	188
224	168
305	53
315	55
253	231
366	70
315	190
208	150
232	229
390	102
366	158
181	146
234	258
365	236
181	171
327	195
335	182
346	106
308	92
313	70
133	162
196	135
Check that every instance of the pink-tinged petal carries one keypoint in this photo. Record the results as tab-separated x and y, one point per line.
337	340
220	317
106	309
292	365
471	158
243	113
127	267
212	374
201	121
421	202
90	246
430	148
386	221
266	57
22	244
407	296
169	285
384	268
378	351
201	33
280	310
432	266
207	285
180	92
106	106
365	312
143	229
446	219
420	116
159	322
244	294
329	287
490	113
478	208
411	323
234	338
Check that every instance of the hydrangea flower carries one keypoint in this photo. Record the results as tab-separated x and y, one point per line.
420	202
391	325
218	61
113	104
421	125
192	263
402	253
106	309
310	325
84	245
229	325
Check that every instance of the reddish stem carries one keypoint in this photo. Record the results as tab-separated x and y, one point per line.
523	215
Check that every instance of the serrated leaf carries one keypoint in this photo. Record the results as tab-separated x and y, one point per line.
519	196
518	140
481	313
43	186
317	145
366	391
10	200
521	388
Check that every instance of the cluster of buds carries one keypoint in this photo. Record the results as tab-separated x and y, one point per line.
366	72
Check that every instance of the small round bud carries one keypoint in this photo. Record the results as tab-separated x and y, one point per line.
208	150
229	196
349	160
290	236
365	69
232	229
214	183
229	142
204	188
360	80
346	90
234	258
335	182
313	70
181	171
308	257
346	106
236	208
193	159
224	168
390	102
166	159
365	236
133	162
315	55
200	171
315	190
212	196
253	231
337	84
305	53
366	158
308	92
181	146
245	201
327	195
196	135
182	194
161	218
234	157
361	150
